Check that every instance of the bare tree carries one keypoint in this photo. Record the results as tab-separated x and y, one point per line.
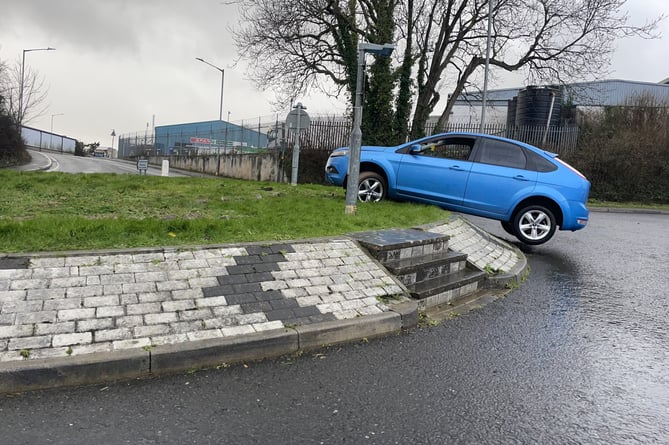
553	40
297	45
34	93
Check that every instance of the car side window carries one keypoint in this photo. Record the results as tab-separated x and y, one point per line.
448	148
502	153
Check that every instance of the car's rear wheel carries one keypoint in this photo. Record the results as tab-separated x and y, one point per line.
371	187
534	225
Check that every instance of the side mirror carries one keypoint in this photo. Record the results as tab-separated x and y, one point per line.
416	149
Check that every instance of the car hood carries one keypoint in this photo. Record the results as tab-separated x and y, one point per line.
376	148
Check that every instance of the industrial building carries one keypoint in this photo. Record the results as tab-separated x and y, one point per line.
530	105
210	137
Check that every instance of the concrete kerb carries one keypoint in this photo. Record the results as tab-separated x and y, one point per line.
30	375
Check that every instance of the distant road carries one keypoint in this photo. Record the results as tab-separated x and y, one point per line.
67	163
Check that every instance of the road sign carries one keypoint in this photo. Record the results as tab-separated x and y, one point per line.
298	119
142	166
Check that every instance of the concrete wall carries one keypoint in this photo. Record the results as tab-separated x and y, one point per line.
260	167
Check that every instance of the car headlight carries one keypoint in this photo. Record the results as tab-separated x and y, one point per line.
338	153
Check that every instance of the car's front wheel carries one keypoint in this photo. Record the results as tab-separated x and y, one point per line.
508	228
534	225
371	187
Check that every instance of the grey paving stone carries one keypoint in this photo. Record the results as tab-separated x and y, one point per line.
95	324
13	295
143	308
20	343
22	306
75	314
131	344
67	303
36	317
195	314
135	288
153	297
31	284
179	305
121	278
84	291
54	328
51	272
110	311
113	334
129	321
152	330
161	318
109	300
72	339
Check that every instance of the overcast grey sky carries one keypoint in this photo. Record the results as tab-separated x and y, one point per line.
118	63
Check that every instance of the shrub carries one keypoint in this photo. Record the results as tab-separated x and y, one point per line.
12	148
624	151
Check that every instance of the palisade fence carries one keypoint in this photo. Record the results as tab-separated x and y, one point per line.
324	134
217	149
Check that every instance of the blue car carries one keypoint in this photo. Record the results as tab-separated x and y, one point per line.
529	190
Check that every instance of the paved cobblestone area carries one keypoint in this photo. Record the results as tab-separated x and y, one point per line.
69	305
73	304
483	250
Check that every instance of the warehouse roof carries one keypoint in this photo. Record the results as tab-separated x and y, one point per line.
596	93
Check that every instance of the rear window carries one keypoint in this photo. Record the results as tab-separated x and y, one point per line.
539	163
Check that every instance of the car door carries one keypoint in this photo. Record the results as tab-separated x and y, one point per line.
498	177
436	170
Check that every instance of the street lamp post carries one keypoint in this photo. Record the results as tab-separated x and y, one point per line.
364	48
484	103
54	115
23	66
113	135
51	132
220	113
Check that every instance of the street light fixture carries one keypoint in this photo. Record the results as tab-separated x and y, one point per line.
23	65
364	48
220	113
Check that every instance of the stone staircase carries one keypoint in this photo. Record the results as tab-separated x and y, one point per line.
422	261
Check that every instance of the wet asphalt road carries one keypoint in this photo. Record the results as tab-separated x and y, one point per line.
577	355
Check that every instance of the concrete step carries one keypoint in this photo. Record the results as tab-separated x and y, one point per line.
401	244
448	288
417	269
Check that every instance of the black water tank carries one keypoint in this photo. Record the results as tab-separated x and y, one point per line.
534	105
511	107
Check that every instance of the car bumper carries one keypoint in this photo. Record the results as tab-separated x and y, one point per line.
578	217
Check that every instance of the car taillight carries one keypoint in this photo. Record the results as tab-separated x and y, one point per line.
571	168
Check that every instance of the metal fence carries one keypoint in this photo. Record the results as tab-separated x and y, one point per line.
561	140
45	140
324	134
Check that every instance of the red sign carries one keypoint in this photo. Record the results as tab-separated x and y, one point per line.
199	141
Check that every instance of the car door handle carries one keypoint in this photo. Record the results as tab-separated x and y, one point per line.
456	168
520	178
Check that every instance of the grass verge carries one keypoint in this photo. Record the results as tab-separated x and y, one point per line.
57	211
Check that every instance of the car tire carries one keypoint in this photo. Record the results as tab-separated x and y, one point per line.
508	228
534	225
371	187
